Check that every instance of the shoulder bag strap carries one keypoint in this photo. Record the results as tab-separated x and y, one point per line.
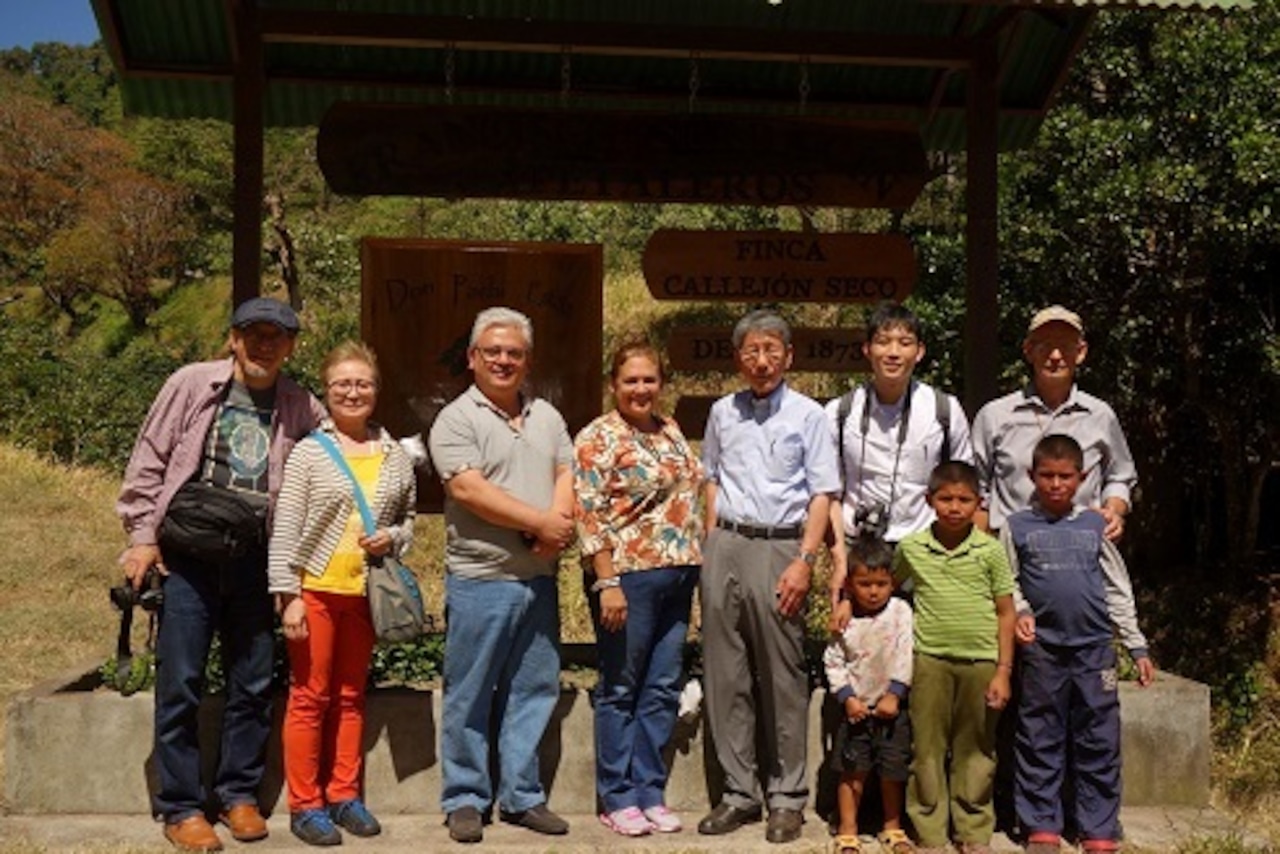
366	515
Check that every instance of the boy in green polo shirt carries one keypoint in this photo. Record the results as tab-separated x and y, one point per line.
964	618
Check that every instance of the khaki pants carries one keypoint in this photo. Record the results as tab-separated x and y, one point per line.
949	713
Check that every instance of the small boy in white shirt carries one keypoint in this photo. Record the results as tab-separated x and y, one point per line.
869	671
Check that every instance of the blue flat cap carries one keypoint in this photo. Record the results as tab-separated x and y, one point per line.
265	310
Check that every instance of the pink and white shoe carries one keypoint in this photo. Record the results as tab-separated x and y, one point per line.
663	819
628	822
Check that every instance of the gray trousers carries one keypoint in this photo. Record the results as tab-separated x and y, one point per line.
757	688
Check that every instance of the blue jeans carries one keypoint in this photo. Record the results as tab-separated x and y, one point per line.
639	689
199	600
501	663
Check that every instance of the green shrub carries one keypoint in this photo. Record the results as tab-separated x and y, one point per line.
416	662
79	407
1216	635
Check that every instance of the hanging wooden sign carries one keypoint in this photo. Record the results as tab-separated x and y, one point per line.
460	152
419	299
705	348
778	266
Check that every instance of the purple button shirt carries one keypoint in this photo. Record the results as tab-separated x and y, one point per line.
171	442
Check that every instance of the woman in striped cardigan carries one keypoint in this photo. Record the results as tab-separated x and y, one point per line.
317	568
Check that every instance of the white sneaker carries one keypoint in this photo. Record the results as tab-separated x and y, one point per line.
663	819
628	822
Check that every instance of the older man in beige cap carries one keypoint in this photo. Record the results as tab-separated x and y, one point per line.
1006	430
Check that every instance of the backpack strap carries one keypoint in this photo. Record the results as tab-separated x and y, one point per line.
942	405
843	410
366	515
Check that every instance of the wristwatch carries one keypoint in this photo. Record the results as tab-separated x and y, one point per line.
810	558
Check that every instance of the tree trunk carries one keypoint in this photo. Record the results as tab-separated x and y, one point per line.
282	250
138	307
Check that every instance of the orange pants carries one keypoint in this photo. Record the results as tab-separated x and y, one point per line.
324	721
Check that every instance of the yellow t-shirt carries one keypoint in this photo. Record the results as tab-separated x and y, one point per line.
345	573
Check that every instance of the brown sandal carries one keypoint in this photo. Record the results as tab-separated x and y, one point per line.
896	841
846	844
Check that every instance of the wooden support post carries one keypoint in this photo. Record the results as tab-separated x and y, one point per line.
249	84
981	345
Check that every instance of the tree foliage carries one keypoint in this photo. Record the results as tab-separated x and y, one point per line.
1148	202
48	158
80	78
133	229
77	217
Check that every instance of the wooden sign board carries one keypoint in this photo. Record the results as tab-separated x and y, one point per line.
419	299
467	152
692	411
778	266
705	348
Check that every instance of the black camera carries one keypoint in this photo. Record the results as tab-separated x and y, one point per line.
148	596
872	520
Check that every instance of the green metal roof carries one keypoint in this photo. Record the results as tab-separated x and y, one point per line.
899	61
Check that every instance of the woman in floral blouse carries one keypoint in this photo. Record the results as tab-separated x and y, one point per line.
637	482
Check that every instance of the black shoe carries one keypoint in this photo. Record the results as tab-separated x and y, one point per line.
465	825
726	819
784	825
539	819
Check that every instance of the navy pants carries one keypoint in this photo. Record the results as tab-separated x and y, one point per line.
1068	724
200	600
638	694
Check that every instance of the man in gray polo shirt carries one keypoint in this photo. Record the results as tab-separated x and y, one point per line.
1006	430
505	461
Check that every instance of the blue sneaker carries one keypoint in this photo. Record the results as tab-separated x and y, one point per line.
314	827
354	817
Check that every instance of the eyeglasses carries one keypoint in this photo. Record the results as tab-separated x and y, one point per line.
346	386
770	354
493	354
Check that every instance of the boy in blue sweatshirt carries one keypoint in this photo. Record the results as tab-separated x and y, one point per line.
1072	588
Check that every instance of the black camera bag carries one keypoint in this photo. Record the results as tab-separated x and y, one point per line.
212	524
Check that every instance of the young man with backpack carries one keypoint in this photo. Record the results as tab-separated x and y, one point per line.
890	432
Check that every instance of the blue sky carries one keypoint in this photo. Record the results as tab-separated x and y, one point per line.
25	22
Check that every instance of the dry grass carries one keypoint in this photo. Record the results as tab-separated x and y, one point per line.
63	541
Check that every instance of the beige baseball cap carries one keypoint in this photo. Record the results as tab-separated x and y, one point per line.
1058	313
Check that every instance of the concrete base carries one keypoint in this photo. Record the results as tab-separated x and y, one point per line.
70	749
1165	742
